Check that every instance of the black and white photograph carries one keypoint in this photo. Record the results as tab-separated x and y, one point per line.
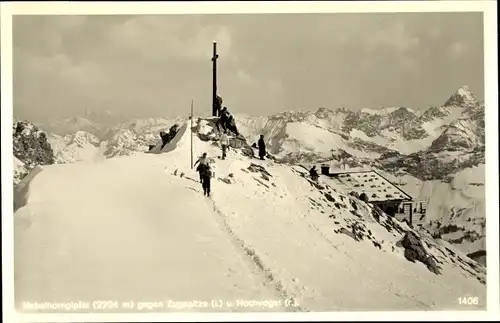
250	162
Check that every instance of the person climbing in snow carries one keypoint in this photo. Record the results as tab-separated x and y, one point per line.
206	176
262	147
203	160
225	114
224	142
218	105
231	125
222	119
314	173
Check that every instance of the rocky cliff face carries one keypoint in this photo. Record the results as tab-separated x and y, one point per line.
465	133
206	130
30	147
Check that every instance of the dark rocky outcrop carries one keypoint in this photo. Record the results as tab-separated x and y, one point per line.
430	165
31	146
235	142
254	168
415	251
479	256
240	143
363	197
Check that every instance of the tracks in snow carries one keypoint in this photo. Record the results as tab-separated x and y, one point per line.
258	266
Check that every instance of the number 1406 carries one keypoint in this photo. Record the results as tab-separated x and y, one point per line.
468	300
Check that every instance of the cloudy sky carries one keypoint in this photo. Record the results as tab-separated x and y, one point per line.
154	65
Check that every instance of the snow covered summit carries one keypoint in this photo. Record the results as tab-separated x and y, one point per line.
463	96
139	225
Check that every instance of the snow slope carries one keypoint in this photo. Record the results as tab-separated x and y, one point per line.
138	225
109	236
302	137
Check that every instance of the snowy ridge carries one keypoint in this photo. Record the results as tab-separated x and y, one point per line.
304	137
82	146
461	133
72	125
466	132
257	238
430	149
385	111
395	128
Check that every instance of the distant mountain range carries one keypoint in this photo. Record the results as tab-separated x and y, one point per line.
428	149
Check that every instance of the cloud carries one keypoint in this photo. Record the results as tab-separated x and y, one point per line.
435	33
154	64
158	38
392	36
458	49
244	77
49	34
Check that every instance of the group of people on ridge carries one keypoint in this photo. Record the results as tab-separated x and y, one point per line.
226	120
225	124
203	163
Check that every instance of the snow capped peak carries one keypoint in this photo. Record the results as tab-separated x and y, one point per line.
85	137
462	97
323	110
105	117
464	90
79	120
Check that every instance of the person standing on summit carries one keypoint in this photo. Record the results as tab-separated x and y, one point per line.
231	125
262	147
224	142
222	121
218	105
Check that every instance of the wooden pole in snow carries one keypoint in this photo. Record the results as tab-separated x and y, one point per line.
214	81
192	116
